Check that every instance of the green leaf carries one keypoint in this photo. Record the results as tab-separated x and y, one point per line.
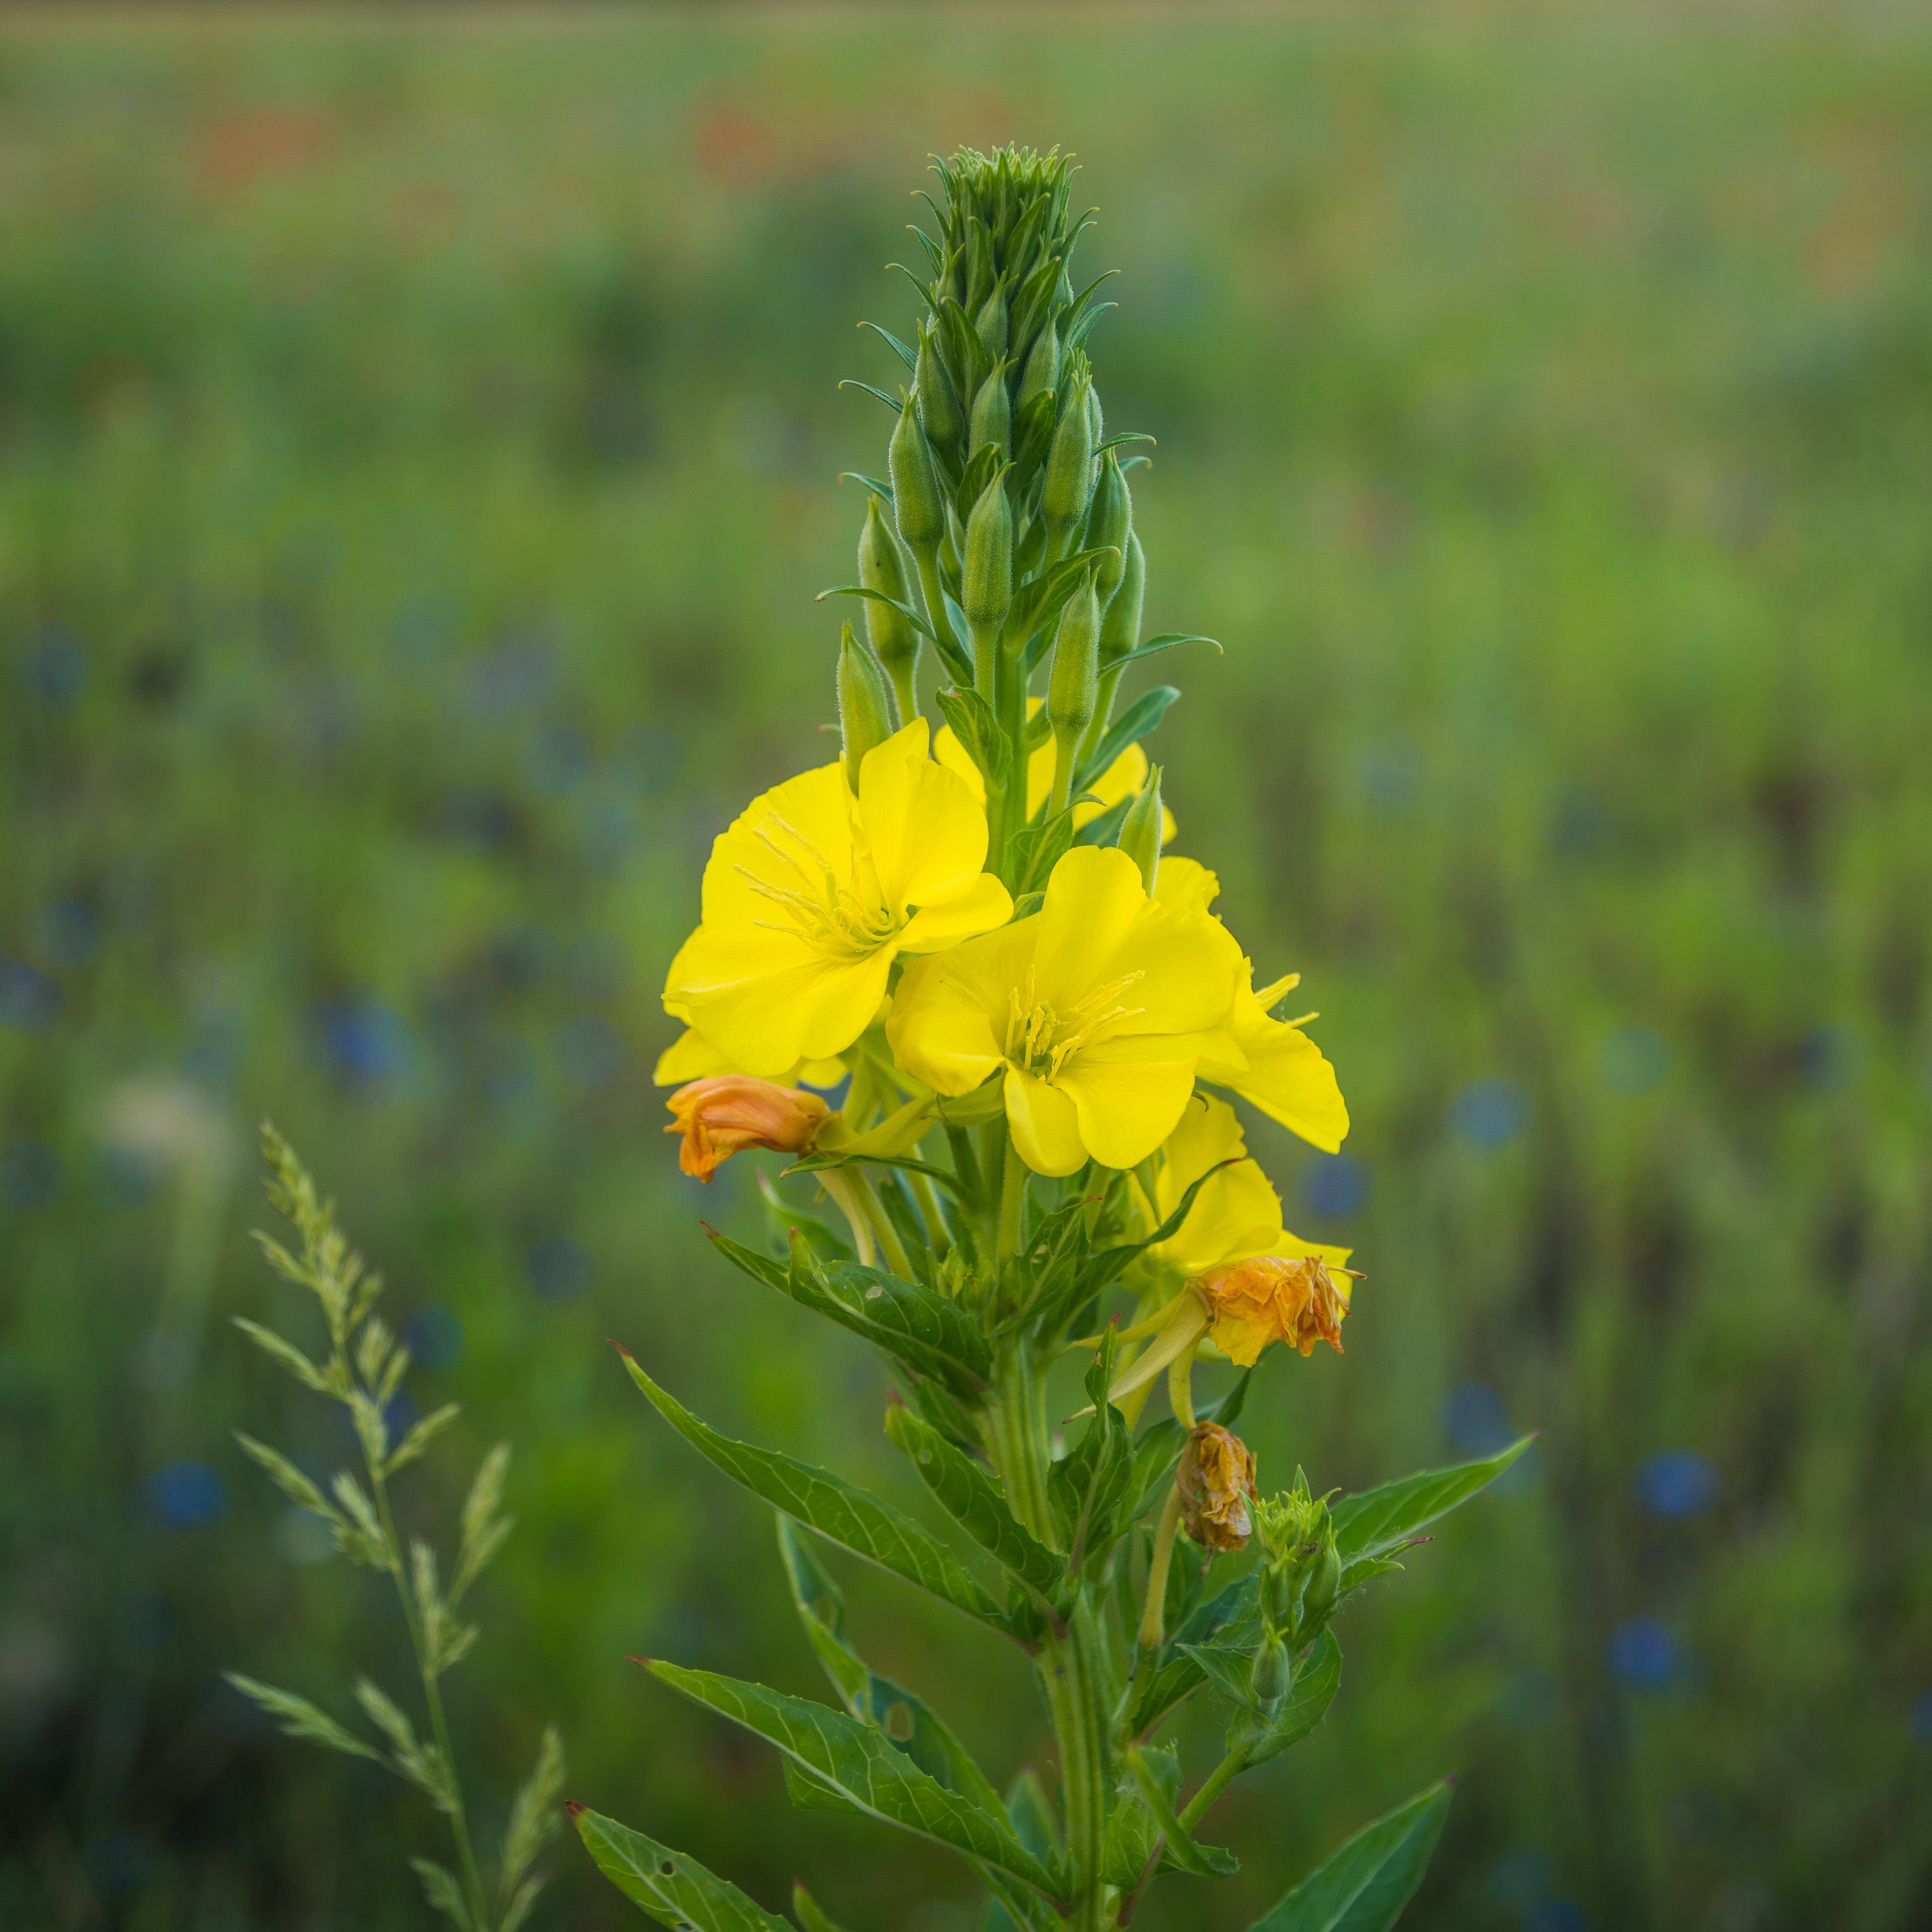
972	1496
1037	848
931	1335
1229	1670
1165	641
1133	725
858	1764
675	1890
1380	1521
907	1720
852	382
808	1792
905	611
1086	1487
838	1510
871	483
1204	1860
807	1911
1363	1887
1232	1615
898	348
1036	605
1317	1678
441	1889
976	727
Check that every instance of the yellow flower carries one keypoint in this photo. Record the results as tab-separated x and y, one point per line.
691	1057
811	895
719	1117
1121	779
1280	1069
1097	1008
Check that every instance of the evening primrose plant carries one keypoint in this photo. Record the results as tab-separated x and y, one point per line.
1031	1021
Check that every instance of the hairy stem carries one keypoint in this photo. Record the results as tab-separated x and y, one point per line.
1217	1781
1013	1202
1153	1618
883	1232
1016	1437
1073	1672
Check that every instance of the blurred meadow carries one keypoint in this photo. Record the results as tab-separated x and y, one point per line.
418	443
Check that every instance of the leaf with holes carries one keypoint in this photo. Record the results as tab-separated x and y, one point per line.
675	1890
853	1762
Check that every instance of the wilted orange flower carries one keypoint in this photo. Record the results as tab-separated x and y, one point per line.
719	1116
1216	1480
1273	1298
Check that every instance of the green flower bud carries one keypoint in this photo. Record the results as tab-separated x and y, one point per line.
1110	521
1071	694
1096	420
1140	830
1068	488
1121	630
865	706
917	505
882	567
1042	367
986	570
1324	1585
940	412
1274	1671
993	413
990	324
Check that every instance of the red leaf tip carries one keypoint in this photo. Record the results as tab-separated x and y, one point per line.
570	1805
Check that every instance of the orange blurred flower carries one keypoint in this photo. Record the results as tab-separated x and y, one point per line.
1216	1482
719	1116
1273	1298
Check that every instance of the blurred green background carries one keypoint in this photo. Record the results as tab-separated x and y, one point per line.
417	448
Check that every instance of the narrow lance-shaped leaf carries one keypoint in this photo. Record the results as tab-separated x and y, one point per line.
838	1510
1133	725
974	1499
862	1769
1204	1860
908	1720
1379	1521
676	1890
807	1911
1364	1886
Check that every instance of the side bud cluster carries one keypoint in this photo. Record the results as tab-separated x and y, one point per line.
1301	1584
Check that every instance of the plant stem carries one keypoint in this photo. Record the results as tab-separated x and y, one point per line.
927	1196
1072	1670
1013	1200
840	1188
1016	1438
459	1820
883	1232
1153	1618
1217	1781
927	557
1103	712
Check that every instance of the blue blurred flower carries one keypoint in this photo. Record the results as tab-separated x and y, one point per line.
364	1042
1646	1653
589	1051
559	1268
1556	1915
1832	1057
28	999
1633	1060
434	1336
1521	1877
557	759
53	666
1477	1419
1678	1482
1489	1112
66	932
1921	1720
1336	1184
30	1175
187	1494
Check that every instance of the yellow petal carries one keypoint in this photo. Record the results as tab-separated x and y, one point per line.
1094	901
1125	1109
982	906
924	829
1189	971
786	839
690	1057
1287	1076
954	756
766	1011
1185	885
948	1023
1046	1130
1241	1340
